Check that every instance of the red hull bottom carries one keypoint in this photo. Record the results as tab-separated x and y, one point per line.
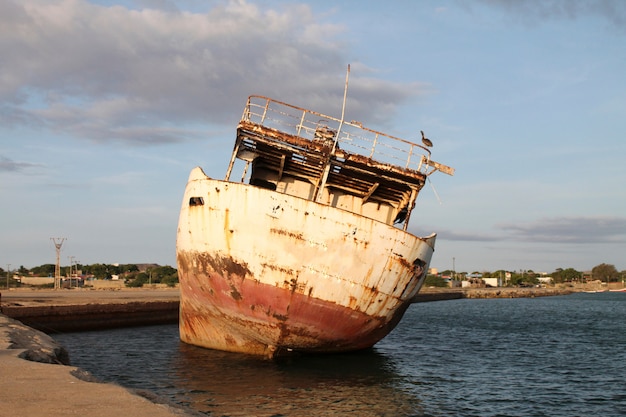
243	315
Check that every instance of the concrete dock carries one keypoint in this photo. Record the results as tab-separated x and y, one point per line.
35	379
84	309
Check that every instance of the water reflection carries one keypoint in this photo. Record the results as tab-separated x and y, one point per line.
226	384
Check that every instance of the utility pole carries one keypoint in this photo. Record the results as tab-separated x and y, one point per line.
8	273
71	259
453	269
58	242
76	262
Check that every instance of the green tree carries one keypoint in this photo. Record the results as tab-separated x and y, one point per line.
500	273
127	268
162	274
140	279
171	280
43	270
565	275
434	281
571	274
99	271
605	272
523	279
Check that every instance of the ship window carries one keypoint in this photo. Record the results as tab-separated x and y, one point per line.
196	201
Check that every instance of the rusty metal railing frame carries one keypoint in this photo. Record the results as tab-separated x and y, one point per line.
351	136
274	114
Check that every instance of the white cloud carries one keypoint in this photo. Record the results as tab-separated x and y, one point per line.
593	229
106	73
10	165
535	11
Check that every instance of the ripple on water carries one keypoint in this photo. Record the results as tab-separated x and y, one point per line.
554	356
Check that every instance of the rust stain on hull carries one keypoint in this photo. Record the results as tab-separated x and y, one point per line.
278	285
312	253
226	311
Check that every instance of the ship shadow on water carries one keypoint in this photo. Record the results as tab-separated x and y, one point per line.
219	383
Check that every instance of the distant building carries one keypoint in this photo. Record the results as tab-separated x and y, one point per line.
473	283
493	282
545	280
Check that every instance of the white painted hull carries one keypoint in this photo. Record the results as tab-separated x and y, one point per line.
263	272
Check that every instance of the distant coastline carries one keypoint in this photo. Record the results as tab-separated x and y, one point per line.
512	292
82	309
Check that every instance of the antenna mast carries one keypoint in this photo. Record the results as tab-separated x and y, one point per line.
320	190
58	242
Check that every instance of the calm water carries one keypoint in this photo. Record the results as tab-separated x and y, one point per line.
552	356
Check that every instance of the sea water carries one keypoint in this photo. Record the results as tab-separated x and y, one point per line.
549	356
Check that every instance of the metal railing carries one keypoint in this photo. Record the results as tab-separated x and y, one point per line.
353	137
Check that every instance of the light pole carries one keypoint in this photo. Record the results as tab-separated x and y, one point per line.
71	258
453	269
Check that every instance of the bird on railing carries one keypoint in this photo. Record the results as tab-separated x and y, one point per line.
425	140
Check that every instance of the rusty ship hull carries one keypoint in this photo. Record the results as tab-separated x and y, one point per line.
311	253
263	272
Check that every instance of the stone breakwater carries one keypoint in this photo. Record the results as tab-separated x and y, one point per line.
514	292
439	294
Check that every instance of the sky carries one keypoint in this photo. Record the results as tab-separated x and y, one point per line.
106	106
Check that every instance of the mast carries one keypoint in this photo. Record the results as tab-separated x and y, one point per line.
332	152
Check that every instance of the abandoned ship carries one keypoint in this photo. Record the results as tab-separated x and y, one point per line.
308	251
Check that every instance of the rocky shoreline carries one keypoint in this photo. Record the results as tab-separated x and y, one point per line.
437	294
33	345
515	292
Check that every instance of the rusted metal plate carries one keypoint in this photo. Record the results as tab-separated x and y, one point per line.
306	256
263	272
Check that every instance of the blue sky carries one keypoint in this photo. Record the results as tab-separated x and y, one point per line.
106	106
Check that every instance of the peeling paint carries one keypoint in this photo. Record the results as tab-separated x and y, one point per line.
306	256
349	304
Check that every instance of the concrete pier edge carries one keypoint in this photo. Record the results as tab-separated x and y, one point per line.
37	377
38	380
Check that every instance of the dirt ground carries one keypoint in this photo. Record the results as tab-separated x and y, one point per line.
32	297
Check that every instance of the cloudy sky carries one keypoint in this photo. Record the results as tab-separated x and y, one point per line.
105	107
